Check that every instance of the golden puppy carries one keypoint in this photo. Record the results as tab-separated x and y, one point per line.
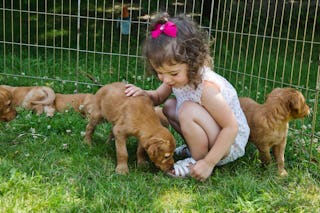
132	116
82	102
37	98
7	111
269	122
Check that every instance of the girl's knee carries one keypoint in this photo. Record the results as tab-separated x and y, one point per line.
169	107
196	119
187	110
187	115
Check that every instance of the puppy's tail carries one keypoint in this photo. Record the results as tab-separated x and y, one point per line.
42	99
47	96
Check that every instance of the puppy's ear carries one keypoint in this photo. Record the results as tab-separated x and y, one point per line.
298	106
154	145
152	150
294	102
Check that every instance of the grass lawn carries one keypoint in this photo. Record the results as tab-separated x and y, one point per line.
46	167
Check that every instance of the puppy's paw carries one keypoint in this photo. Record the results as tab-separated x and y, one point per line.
143	164
88	143
122	169
282	173
49	110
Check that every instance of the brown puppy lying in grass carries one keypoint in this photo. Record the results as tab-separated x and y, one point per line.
269	122
81	102
132	116
7	111
37	98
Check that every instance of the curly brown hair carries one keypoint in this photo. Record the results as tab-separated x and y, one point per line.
190	46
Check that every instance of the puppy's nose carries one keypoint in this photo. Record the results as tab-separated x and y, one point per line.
167	167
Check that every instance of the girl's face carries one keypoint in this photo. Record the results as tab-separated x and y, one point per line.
175	75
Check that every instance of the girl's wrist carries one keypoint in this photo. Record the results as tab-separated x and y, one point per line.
210	162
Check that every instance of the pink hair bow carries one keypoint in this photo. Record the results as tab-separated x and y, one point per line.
169	29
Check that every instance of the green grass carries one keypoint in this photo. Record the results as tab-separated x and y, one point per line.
45	166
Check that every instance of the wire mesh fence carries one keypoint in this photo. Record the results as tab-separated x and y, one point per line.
77	45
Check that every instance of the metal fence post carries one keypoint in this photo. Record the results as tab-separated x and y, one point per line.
78	44
313	138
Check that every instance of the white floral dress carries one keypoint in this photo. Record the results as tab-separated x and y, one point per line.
188	93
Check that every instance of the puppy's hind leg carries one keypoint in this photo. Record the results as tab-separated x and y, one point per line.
264	155
38	109
49	110
141	155
93	122
110	137
278	152
121	149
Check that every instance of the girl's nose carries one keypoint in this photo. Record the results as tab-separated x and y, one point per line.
166	79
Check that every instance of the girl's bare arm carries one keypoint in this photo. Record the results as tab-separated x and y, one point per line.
158	96
217	106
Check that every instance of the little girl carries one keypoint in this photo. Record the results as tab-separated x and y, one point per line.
206	109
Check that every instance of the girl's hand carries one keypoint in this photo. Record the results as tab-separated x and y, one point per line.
132	90
201	170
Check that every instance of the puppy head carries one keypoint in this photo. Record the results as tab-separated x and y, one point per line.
294	101
299	108
160	151
7	111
